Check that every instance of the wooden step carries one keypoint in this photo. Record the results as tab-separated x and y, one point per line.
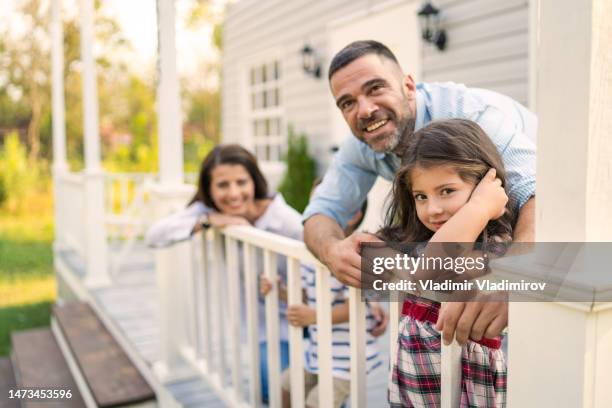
38	362
7	382
111	377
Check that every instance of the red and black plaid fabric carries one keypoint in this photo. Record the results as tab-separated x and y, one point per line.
415	377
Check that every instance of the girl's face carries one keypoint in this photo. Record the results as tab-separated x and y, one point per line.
232	189
438	194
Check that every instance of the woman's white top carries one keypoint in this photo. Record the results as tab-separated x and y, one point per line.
279	218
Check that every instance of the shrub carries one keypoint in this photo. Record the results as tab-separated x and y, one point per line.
300	174
18	178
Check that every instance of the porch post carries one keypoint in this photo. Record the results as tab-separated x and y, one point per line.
60	166
168	99
58	104
574	198
97	270
170	195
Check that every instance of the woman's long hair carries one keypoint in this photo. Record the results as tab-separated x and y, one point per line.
233	155
458	143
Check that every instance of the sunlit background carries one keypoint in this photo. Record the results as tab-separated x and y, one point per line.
126	52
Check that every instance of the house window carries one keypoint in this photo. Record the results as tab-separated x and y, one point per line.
266	110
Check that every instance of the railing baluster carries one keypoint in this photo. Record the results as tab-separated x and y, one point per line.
357	312
450	379
124	181
296	344
204	306
217	295
272	327
324	336
250	278
394	318
233	284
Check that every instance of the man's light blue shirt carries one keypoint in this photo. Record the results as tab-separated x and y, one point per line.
511	127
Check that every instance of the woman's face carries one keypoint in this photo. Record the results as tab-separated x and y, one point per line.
232	189
438	193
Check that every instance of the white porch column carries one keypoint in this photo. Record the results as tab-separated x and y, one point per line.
168	196
168	99
97	270
60	166
560	355
58	104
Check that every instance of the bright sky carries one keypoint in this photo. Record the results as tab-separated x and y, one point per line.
138	22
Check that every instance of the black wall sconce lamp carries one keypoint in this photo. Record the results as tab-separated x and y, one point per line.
310	61
429	20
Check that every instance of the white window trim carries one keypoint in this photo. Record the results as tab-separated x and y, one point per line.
250	115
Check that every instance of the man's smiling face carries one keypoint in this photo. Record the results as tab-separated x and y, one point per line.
376	100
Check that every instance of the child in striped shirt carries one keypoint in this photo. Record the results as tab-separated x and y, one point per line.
450	188
304	315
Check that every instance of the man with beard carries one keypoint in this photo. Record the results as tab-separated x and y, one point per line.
384	107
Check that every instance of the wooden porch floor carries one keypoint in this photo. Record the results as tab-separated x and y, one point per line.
131	303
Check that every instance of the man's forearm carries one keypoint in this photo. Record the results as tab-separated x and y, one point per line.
319	232
525	225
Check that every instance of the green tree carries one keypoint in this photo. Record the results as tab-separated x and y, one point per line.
16	176
25	64
300	174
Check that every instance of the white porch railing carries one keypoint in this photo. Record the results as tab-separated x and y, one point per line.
126	202
125	197
212	320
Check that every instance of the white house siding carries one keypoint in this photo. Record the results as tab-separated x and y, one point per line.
487	47
254	27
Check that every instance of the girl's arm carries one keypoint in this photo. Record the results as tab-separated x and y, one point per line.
302	315
487	202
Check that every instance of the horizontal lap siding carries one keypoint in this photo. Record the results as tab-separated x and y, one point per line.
253	27
487	46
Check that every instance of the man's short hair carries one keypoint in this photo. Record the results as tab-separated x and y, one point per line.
356	50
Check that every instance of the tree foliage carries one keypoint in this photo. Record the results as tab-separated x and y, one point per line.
127	113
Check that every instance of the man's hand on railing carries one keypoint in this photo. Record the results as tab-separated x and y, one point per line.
344	260
301	315
382	319
473	320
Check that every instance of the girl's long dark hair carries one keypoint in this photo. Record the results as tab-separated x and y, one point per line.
458	143
228	154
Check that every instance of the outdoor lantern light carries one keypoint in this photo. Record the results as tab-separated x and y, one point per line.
310	63
429	19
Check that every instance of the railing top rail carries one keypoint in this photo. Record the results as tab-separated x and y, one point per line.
273	242
72	177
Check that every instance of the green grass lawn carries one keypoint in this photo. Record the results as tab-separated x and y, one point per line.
27	282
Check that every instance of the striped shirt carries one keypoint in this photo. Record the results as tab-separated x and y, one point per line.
341	360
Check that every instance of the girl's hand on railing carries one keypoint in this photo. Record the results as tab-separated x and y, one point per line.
382	319
265	286
301	315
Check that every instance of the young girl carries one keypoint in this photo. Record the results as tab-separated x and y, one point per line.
450	188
